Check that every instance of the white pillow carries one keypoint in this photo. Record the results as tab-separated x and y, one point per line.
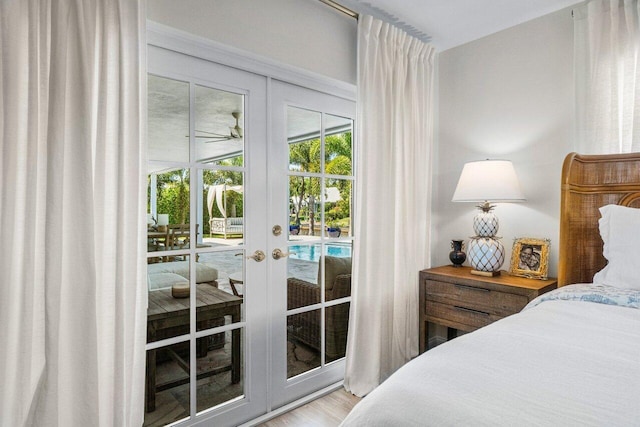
620	232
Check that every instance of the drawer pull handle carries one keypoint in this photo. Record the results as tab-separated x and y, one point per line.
473	288
470	310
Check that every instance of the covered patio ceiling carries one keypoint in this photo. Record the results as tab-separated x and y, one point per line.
168	122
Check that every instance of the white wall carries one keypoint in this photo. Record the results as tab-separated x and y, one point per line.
507	96
303	33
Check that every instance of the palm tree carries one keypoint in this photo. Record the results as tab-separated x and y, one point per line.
338	161
337	155
222	176
305	157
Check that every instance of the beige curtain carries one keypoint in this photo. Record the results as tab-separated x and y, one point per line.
72	282
393	201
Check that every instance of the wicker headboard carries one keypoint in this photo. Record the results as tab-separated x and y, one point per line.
589	182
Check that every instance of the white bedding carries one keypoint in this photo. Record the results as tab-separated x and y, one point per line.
559	363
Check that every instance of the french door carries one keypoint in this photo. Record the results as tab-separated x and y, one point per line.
244	175
311	190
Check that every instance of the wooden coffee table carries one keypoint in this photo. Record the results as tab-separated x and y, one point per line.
169	317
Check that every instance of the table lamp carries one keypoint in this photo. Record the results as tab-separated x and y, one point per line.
163	221
484	182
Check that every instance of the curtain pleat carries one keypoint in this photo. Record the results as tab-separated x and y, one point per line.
607	71
72	209
395	133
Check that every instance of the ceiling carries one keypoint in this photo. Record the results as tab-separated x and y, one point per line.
450	23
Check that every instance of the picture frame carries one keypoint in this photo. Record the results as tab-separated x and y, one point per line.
530	258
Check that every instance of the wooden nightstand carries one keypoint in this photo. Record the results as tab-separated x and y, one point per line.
453	297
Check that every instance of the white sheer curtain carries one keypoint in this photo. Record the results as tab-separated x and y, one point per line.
72	283
607	49
395	134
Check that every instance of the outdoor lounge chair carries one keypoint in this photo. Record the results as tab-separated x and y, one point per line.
305	327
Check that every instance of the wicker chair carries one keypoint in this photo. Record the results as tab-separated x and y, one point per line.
305	327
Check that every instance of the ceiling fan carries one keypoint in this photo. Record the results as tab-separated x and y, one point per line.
235	132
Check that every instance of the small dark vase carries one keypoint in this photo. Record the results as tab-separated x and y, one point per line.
457	255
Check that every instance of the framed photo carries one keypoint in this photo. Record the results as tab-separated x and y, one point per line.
530	258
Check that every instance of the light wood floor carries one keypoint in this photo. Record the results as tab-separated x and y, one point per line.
327	411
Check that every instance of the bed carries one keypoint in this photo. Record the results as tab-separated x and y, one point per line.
569	358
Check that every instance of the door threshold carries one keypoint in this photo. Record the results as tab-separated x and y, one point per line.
293	405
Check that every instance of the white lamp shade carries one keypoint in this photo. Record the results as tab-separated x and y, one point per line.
488	180
163	219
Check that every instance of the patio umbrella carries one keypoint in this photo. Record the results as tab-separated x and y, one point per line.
332	194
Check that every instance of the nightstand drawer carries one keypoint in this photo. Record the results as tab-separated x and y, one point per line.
458	317
477	298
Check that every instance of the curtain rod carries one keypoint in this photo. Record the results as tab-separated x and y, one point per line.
340	8
356	7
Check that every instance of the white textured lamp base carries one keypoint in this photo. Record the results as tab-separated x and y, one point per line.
486	255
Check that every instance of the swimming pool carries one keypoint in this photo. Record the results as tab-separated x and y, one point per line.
313	252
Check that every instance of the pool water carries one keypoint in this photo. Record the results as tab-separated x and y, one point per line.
313	252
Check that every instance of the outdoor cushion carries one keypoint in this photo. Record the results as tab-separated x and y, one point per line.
165	280
204	272
333	267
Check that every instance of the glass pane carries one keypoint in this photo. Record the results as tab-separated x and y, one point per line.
167	384
168	119
217	303
303	342
220	370
302	276
338	146
168	286
229	266
219	126
168	206
335	331
304	207
222	207
303	137
337	207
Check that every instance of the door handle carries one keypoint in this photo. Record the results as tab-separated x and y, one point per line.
257	256
277	254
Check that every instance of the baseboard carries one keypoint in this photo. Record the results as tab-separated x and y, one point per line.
293	405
